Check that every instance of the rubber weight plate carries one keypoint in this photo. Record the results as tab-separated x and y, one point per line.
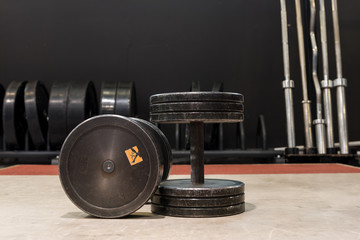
197	97
57	114
197	107
211	188
14	122
82	103
36	110
125	99
163	145
206	117
109	166
108	96
197	202
198	212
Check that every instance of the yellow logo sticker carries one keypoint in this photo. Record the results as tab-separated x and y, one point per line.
133	155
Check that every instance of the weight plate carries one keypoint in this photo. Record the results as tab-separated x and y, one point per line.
57	114
198	212
197	202
211	188
197	107
14	122
197	97
163	144
36	108
109	166
108	96
82	103
206	117
125	99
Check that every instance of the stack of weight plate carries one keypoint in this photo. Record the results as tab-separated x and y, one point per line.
217	197
197	197
207	107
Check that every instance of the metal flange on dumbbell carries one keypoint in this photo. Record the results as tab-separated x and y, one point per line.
197	197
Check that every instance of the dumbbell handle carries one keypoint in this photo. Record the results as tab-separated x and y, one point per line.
197	152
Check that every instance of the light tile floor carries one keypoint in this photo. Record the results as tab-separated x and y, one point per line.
282	206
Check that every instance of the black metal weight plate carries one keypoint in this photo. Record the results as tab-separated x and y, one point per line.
57	114
197	107
198	212
211	188
36	110
125	99
197	202
162	143
108	97
206	117
196	97
14	122
82	103
109	166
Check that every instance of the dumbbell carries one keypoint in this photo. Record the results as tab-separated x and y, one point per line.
111	165
197	197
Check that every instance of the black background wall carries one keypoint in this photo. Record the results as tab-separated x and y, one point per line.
164	45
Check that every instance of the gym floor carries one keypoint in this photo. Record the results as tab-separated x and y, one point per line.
299	201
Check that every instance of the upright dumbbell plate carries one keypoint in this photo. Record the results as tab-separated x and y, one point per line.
36	108
14	122
108	97
82	103
109	166
57	114
162	143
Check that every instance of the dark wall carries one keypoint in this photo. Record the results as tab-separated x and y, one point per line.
164	45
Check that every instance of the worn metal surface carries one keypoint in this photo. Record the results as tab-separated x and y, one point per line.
162	144
197	202
137	169
206	117
196	96
36	110
210	188
118	98
108	97
82	103
197	106
125	99
198	212
14	122
57	114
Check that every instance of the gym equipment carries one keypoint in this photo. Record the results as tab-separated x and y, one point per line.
319	122
340	83
36	107
14	122
118	98
326	84
197	188
287	84
81	105
111	165
306	102
70	103
57	113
